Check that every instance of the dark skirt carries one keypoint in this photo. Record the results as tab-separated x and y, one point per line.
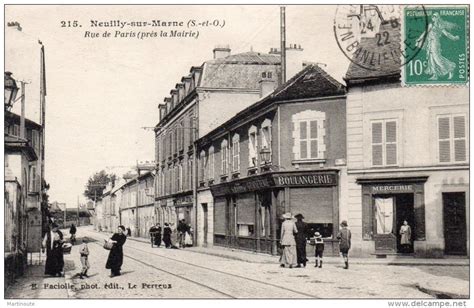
115	259
157	239
301	252
54	261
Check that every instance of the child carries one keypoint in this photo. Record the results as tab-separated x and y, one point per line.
84	251
319	243
344	237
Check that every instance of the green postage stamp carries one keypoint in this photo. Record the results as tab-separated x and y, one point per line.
436	41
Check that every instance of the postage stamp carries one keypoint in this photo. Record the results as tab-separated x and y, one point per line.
439	54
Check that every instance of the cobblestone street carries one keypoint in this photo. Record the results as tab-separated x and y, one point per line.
169	273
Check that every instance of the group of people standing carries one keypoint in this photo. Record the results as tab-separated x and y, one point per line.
157	235
294	238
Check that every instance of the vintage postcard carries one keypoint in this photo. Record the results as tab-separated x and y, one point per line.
237	152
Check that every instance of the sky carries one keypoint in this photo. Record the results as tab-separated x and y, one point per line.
101	91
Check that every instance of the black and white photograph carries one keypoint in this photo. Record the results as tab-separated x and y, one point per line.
236	151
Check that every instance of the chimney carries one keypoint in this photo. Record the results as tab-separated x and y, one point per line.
221	51
162	108
294	60
267	83
15	25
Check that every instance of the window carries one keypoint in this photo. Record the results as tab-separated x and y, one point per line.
175	139
224	155
384	142
308	135
179	134
211	163
180	177
235	153
253	152
452	143
190	172
266	135
33	179
384	214
191	128
202	166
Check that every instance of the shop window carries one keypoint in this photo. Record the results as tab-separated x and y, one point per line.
236	153
384	214
253	152
245	230
384	142
308	135
452	144
224	155
325	229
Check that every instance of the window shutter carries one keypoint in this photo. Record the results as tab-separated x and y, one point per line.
377	150
459	138
313	135
444	142
303	141
391	142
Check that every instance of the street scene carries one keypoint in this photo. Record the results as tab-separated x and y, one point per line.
237	152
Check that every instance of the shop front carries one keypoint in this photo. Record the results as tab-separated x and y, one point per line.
388	203
247	212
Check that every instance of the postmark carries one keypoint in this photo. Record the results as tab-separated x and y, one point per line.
370	36
443	57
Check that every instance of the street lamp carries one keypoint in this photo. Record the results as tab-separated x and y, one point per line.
10	90
265	154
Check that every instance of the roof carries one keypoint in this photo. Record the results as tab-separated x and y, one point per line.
241	70
15	118
311	82
389	69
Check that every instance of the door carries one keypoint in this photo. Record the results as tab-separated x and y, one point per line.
405	210
384	237
205	227
454	214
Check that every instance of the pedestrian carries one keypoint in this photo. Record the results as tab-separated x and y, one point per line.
72	232
288	231
152	233
188	238
158	235
182	228
300	238
53	243
319	249
167	235
84	252
405	240
344	237
115	259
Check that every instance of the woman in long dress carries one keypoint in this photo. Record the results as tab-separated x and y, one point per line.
53	243
288	243
437	65
301	241
167	235
115	259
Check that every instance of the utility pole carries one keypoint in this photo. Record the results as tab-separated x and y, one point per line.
22	118
136	203
283	44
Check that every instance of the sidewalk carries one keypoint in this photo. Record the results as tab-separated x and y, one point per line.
253	257
35	285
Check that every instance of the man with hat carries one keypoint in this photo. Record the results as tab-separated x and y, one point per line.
344	237
288	231
300	238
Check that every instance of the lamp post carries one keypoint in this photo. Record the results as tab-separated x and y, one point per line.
265	157
10	90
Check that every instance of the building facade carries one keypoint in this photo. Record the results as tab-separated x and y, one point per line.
284	153
137	210
408	159
229	83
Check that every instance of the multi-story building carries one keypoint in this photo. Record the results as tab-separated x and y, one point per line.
137	210
23	193
211	94
284	153
408	159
